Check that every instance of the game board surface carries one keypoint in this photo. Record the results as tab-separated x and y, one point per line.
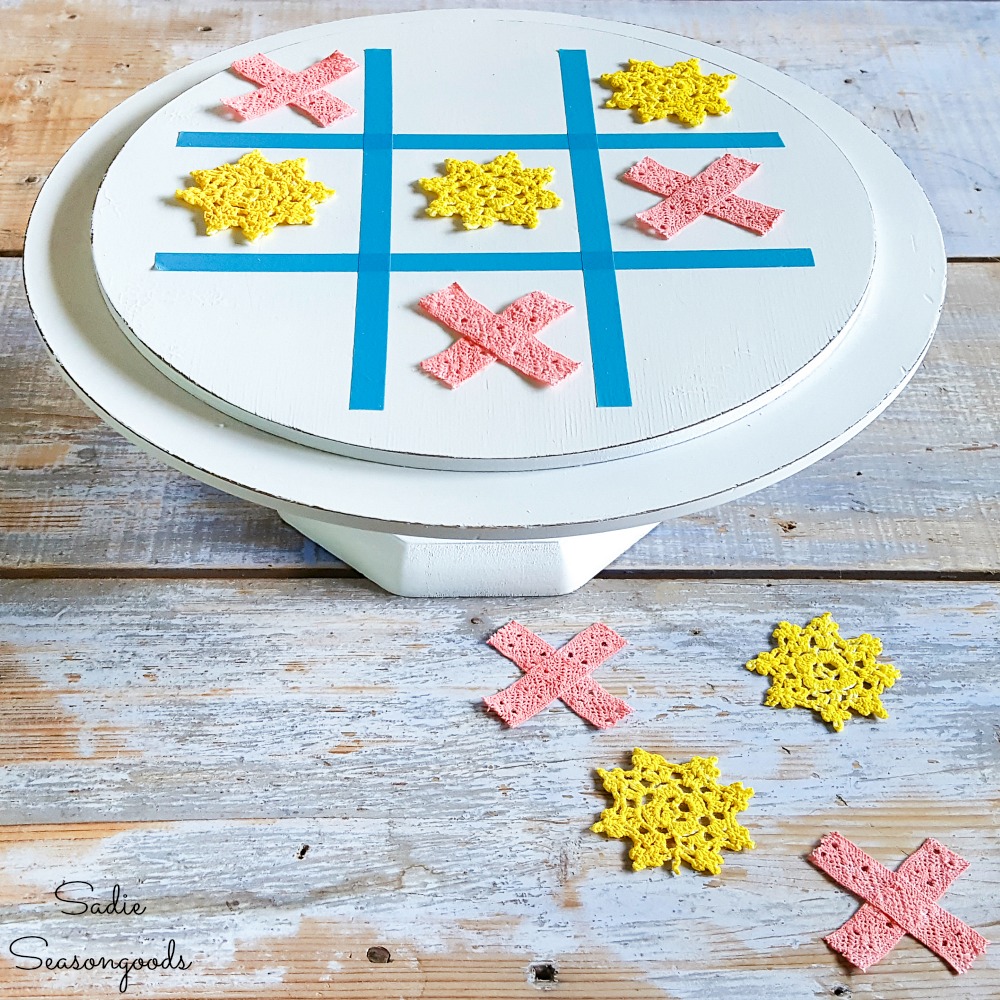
315	332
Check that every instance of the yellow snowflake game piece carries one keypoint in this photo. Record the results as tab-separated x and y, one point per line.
255	195
483	193
814	668
679	90
674	812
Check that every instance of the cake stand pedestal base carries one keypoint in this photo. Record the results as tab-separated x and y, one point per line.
412	566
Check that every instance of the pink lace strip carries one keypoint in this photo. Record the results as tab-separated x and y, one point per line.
563	673
486	336
279	86
708	193
901	902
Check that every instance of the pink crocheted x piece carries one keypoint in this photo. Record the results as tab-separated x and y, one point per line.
708	193
486	337
564	673
752	215
279	86
898	903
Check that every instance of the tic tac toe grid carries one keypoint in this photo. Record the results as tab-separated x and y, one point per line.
375	261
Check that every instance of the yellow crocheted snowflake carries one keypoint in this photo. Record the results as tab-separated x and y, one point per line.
679	90
674	812
813	667
483	193
255	195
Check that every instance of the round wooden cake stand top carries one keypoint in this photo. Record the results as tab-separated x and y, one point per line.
542	509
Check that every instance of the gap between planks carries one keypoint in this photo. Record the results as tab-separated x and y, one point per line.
346	573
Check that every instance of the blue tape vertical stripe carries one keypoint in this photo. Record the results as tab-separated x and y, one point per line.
607	340
371	316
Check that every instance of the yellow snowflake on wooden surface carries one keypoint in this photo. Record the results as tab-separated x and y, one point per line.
255	195
483	193
680	90
813	667
674	812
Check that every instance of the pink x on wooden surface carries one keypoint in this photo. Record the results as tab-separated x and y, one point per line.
564	673
279	86
486	337
708	193
898	903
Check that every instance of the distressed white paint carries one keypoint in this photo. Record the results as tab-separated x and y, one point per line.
705	347
450	567
915	491
861	377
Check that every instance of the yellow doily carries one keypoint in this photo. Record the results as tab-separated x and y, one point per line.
255	195
483	193
679	90
674	812
813	667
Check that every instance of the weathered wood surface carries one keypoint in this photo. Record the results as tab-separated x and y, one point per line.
915	492
923	76
186	739
189	738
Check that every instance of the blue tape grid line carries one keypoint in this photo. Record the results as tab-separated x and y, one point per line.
371	313
374	262
600	281
528	140
624	260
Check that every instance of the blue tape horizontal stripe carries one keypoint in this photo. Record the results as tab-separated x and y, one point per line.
270	140
263	262
624	260
485	262
485	141
694	140
681	260
609	140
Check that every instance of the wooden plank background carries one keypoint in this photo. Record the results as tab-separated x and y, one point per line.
288	767
197	734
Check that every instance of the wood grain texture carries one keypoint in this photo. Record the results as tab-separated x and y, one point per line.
188	739
922	75
915	492
288	773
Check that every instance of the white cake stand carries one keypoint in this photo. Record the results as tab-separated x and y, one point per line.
712	364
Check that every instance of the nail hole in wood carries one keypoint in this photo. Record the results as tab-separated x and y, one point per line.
544	972
303	850
379	955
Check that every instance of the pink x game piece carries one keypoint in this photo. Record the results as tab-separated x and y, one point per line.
898	903
304	90
550	673
486	337
708	193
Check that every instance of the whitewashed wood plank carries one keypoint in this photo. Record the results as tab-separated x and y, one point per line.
915	492
187	739
922	75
